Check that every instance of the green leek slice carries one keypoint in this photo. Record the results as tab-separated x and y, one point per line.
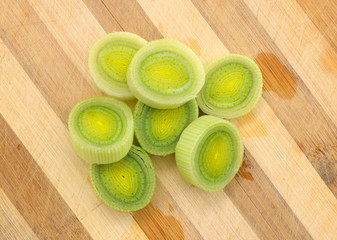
165	74
109	60
233	87
127	185
158	130
101	129
209	153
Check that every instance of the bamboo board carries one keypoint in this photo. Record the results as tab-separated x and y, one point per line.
287	186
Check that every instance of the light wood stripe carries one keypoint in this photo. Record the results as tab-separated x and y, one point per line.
163	218
324	16
54	154
12	224
34	196
69	24
284	223
309	53
62	94
220	216
277	194
256	197
75	41
284	90
140	23
42	58
289	163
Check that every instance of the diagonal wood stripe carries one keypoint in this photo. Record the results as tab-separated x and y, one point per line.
163	218
103	16
219	215
127	9
52	151
33	194
12	224
60	100
253	190
65	39
140	23
280	219
304	47
264	135
284	91
324	16
42	57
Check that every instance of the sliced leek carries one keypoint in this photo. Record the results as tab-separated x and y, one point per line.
165	74
101	129
109	60
233	87
127	185
209	153
158	130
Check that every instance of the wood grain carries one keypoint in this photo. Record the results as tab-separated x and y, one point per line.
324	16
12	224
287	186
313	129
33	195
52	151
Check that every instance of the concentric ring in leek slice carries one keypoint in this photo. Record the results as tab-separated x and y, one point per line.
158	130
233	87
209	153
126	185
101	129
109	60
165	74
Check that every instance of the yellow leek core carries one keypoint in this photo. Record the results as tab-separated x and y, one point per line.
127	185
209	153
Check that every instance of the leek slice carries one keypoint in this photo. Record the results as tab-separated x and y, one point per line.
209	153
109	60
233	87
101	129
165	74
158	130
127	185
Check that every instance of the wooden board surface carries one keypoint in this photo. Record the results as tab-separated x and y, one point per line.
287	185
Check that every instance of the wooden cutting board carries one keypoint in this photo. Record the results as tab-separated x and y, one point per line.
287	186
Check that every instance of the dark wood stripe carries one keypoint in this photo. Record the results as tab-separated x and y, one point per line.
259	201
284	90
42	58
33	194
119	10
324	16
259	223
12	224
158	225
102	14
139	23
59	83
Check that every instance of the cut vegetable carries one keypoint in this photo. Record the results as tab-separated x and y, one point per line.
109	60
101	129
158	130
127	185
165	74
233	87
209	153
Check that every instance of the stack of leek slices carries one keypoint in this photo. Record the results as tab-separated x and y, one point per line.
170	84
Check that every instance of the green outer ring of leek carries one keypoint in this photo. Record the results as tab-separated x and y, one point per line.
238	107
189	150
132	197
111	85
98	151
188	66
147	139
